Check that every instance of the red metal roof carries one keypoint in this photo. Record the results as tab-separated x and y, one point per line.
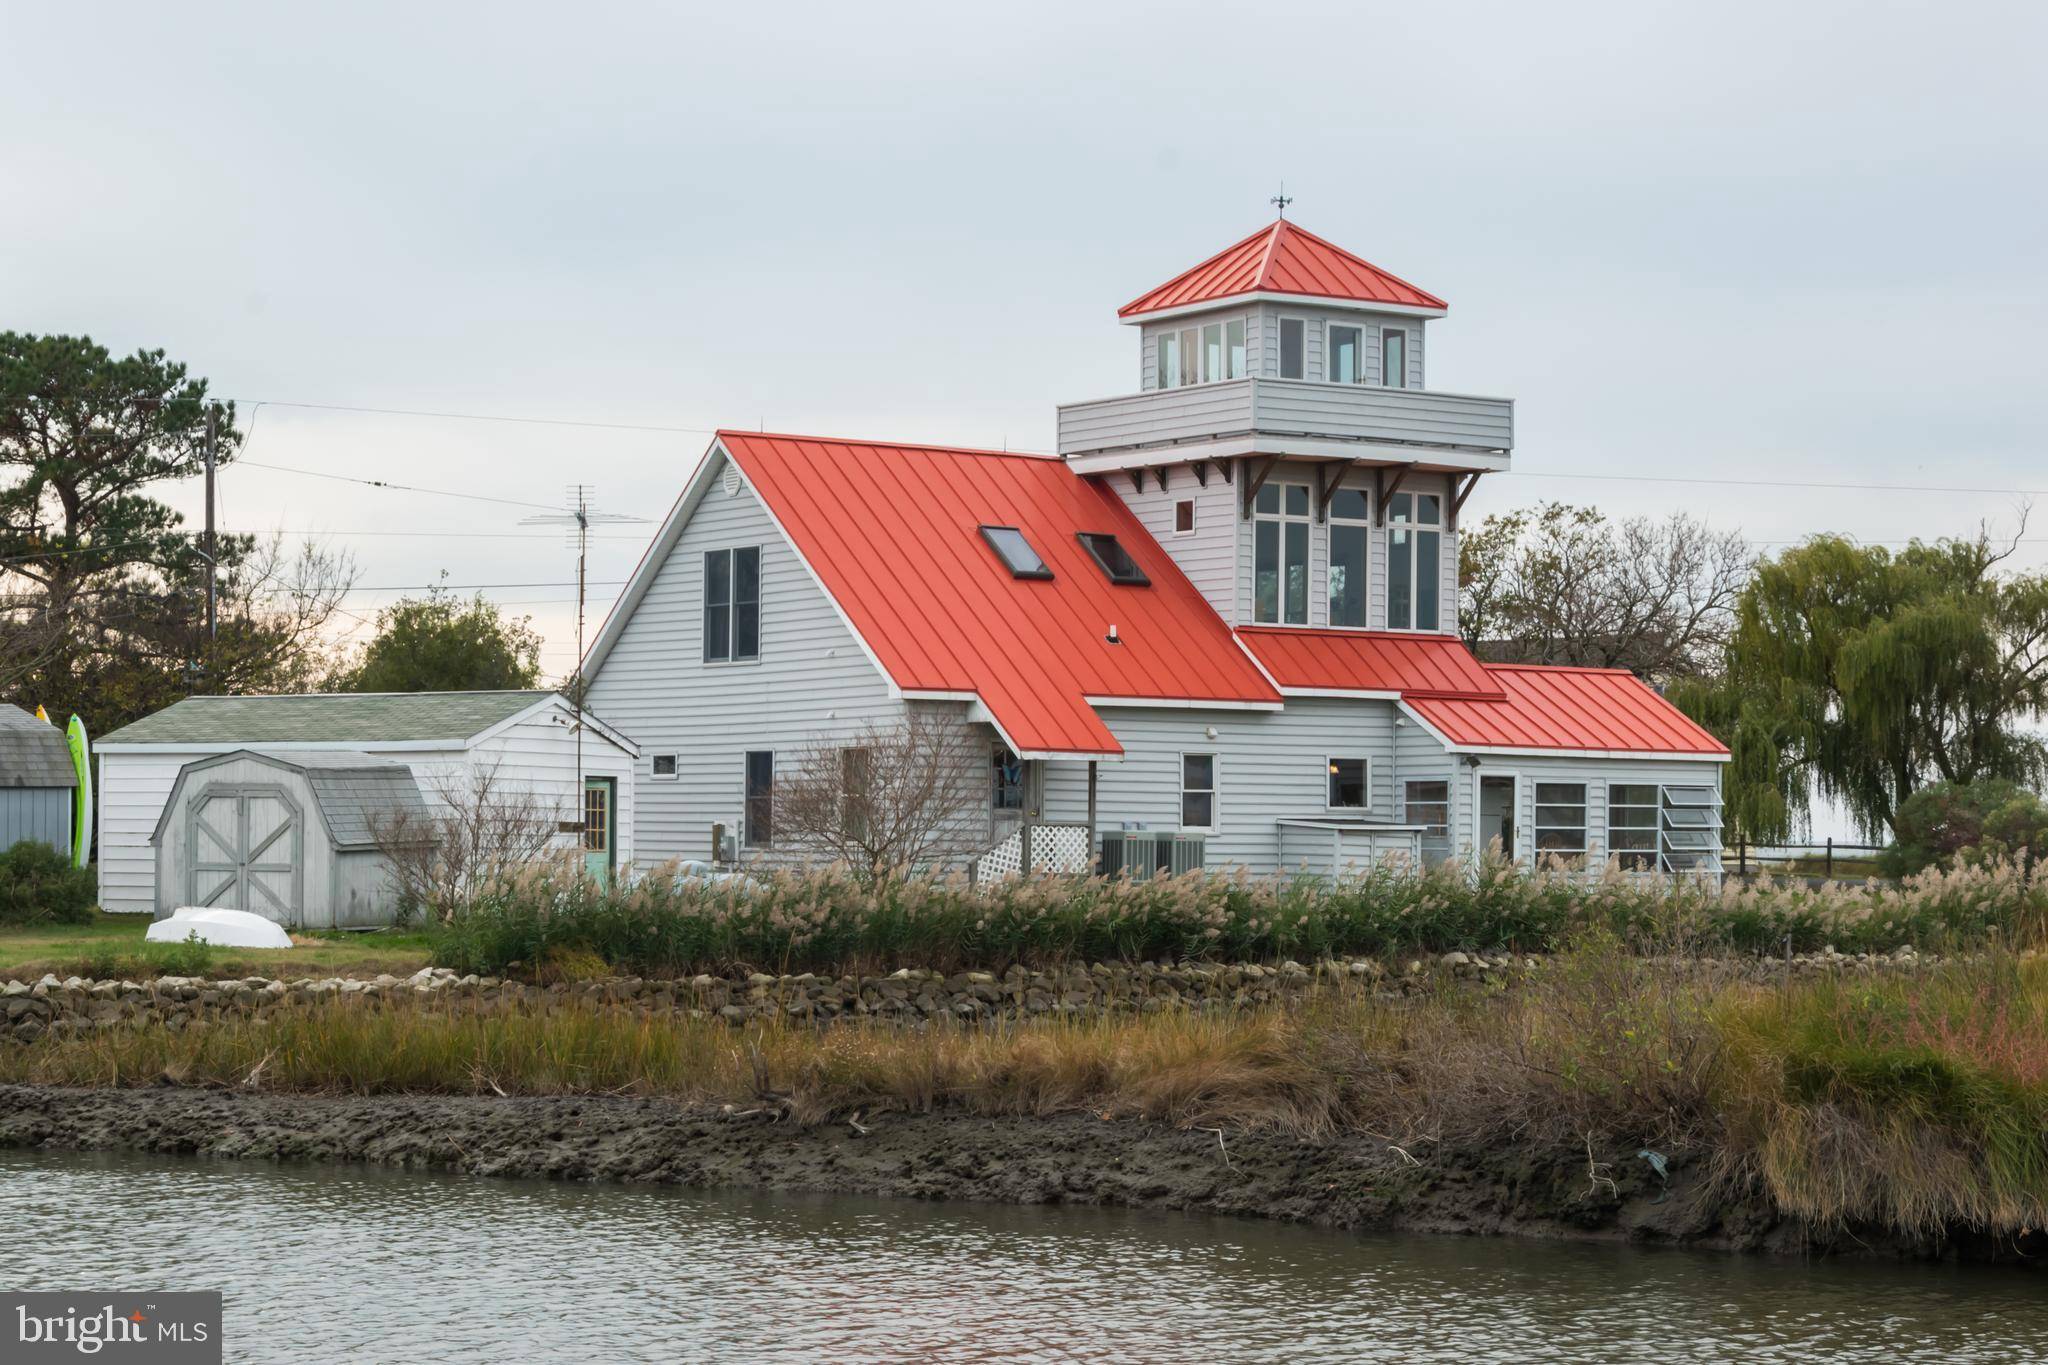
1370	661
1282	259
893	532
1607	709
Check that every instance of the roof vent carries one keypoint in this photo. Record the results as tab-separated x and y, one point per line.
732	479
1113	637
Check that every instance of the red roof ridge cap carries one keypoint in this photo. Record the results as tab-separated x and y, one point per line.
1280	224
1044	456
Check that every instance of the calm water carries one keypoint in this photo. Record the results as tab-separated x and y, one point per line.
338	1263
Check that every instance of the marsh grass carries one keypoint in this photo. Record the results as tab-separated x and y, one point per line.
1915	1102
826	921
1911	1101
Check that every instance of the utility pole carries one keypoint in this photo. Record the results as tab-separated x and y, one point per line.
212	609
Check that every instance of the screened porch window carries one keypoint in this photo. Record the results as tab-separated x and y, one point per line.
1561	819
1632	825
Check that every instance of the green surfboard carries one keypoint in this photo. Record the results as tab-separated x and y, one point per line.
81	815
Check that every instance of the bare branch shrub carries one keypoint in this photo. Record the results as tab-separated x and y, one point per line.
485	830
891	798
1556	584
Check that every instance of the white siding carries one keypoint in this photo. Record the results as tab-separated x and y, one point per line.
1268	764
812	679
1207	555
535	755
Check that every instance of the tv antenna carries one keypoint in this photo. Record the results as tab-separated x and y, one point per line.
577	518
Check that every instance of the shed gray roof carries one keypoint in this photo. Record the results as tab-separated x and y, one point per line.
355	792
327	718
33	753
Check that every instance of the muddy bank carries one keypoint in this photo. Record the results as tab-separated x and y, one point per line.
1348	1183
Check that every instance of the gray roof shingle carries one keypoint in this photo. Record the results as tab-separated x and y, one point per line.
356	792
326	718
33	753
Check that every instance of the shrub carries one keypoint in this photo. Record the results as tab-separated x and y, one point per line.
829	921
1949	822
38	885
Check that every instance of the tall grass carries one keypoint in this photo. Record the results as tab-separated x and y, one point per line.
1916	1103
1907	1101
827	921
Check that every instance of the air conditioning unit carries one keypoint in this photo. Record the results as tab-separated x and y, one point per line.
1140	854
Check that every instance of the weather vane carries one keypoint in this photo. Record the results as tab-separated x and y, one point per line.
1281	200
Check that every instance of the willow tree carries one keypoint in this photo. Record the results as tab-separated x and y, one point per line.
1860	675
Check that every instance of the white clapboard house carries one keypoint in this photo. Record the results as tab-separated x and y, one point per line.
1217	628
270	804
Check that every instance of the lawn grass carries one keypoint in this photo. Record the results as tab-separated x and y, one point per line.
111	946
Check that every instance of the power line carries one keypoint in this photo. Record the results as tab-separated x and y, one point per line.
1775	483
394	487
484	417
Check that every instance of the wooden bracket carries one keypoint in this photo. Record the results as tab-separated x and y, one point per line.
1201	469
1327	478
1464	492
1159	475
1255	479
1389	487
1226	468
1138	479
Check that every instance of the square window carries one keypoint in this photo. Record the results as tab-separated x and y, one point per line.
1184	516
665	767
1348	783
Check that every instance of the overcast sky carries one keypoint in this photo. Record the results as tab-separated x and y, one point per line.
1740	242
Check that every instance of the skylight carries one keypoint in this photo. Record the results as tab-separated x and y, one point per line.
1016	553
1115	560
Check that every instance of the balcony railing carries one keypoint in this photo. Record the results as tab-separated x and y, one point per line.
1288	410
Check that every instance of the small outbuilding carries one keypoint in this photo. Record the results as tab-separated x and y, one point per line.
38	784
296	838
534	748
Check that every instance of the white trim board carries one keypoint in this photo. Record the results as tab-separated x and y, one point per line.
1406	310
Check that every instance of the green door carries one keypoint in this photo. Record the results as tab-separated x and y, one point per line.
599	807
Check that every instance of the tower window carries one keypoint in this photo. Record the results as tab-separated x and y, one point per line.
1346	361
1293	348
1414	560
1184	516
1280	526
1394	357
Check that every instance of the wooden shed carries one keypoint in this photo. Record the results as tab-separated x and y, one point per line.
38	784
291	837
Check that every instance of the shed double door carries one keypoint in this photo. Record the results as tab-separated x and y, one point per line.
246	848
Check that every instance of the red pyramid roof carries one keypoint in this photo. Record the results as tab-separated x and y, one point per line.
1283	259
